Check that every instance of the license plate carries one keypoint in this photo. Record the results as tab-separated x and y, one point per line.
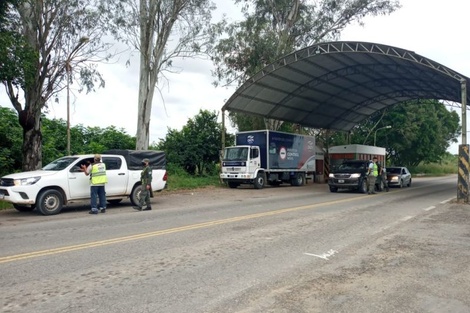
340	181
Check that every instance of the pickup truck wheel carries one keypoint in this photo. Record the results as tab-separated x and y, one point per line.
50	202
24	208
115	201
135	195
380	186
259	181
363	187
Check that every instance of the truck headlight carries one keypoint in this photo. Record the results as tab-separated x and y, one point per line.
355	175
331	175
26	181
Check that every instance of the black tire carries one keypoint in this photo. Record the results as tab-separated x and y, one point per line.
409	183
333	189
380	186
298	180
233	185
363	186
259	181
50	202
24	208
114	201
135	195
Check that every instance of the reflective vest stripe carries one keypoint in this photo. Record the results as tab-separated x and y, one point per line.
375	170
98	174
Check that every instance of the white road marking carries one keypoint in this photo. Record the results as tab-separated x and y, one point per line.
324	256
429	208
404	219
445	201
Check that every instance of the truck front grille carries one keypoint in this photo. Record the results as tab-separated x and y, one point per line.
342	176
6	182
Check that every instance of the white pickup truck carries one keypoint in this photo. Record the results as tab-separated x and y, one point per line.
62	181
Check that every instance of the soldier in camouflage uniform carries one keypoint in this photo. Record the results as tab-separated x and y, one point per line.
146	193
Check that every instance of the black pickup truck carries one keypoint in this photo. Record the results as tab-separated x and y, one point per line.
352	175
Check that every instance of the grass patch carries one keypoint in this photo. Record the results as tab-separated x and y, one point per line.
178	182
178	179
448	165
5	205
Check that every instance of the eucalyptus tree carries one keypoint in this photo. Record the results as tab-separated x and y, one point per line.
161	31
274	28
61	41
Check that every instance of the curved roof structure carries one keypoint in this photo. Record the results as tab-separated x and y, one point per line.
336	85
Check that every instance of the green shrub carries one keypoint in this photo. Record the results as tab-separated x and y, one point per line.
449	165
178	178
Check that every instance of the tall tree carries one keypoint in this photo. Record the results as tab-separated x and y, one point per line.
421	131
196	147
160	30
62	38
272	29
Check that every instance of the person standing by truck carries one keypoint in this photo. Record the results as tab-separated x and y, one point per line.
98	179
146	191
372	173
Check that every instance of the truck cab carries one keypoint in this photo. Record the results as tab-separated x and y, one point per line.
241	165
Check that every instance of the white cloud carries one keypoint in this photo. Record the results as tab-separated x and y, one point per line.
432	28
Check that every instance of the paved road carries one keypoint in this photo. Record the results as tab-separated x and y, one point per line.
283	249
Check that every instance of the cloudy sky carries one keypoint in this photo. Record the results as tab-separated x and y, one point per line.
433	28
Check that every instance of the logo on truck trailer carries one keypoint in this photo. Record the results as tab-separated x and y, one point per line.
282	153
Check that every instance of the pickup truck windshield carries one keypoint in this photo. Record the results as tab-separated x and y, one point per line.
236	154
351	166
59	164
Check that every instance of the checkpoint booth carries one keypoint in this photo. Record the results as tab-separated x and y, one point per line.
338	154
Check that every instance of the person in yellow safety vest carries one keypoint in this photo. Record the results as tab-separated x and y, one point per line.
98	179
372	173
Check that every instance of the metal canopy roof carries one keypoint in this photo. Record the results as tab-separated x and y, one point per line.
337	85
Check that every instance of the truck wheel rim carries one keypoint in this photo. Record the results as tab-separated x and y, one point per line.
50	203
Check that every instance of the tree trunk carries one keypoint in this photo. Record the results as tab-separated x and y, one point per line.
30	121
32	147
143	113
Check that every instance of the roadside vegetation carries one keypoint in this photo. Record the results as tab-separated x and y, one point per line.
448	165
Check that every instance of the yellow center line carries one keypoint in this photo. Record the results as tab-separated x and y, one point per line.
106	242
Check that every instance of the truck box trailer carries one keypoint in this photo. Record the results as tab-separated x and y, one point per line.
263	157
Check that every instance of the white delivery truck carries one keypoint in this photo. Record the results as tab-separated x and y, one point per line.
263	157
